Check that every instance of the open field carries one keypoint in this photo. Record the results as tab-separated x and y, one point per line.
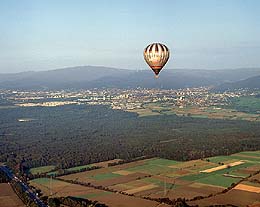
52	187
234	197
44	169
78	167
220	159
89	176
154	167
248	104
123	172
222	167
142	188
152	109
105	176
188	191
157	178
119	200
81	167
8	197
59	188
248	188
218	180
254	156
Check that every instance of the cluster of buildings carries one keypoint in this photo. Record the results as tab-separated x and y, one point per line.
124	99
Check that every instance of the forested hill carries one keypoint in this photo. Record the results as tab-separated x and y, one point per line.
251	83
98	77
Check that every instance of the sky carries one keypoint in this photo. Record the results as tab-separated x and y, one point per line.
207	34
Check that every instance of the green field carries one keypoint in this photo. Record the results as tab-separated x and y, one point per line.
251	153
54	173
242	108
199	116
249	104
220	159
194	177
204	177
232	169
235	173
41	181
77	168
94	195
182	178
48	181
162	162
253	156
218	180
159	183
105	176
253	159
149	169
43	169
154	166
250	156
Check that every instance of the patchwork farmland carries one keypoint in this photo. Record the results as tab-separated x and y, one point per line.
218	180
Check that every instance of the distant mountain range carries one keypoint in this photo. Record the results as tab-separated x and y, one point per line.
84	77
253	82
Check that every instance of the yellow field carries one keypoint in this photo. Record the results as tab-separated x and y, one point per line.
142	188
222	167
201	185
192	164
248	188
123	172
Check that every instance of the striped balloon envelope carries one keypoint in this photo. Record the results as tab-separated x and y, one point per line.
156	56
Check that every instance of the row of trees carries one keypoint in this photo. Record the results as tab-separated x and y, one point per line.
59	172
23	195
3	177
18	189
73	202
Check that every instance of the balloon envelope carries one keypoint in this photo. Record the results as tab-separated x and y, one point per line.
156	56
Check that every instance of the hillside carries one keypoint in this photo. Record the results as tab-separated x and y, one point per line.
97	77
251	83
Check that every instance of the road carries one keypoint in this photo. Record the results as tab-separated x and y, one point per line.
25	187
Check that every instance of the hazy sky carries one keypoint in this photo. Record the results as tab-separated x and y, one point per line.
48	34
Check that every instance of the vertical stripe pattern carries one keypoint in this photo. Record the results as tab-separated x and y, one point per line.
156	56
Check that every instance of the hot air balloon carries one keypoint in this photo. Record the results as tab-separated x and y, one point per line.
156	56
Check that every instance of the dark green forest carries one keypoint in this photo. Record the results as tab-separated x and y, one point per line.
74	135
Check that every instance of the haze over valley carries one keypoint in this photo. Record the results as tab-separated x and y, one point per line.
129	103
65	121
85	77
